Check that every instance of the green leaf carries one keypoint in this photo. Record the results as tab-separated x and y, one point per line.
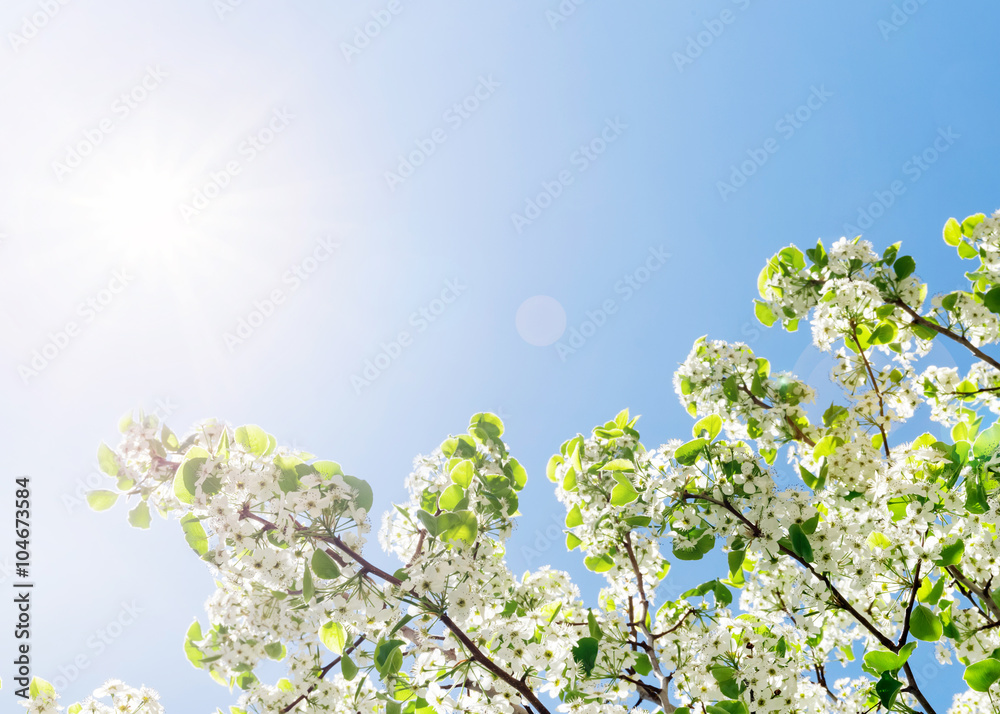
619	465
585	654
904	267
987	442
193	635
463	472
125	422
332	635
698	551
723	673
275	651
550	468
459	525
324	566
106	460
992	300
348	668
486	425
712	424
572	540
970	223
882	661
599	563
624	493
826	446
736	558
982	675
887	688
138	517
252	438
925	625
643	665
308	587
800	542
730	388
764	313
101	500
687	454
429	522
952	232
384	652
951	554
40	686
169	439
574	518
595	629
365	497
195	534
451	497
187	474
327	469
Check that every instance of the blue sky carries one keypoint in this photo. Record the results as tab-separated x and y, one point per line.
623	119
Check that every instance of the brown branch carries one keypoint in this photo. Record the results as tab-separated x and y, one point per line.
917	319
878	393
367	567
664	696
492	666
322	673
821	680
928	709
838	598
798	434
909	607
976	590
974	392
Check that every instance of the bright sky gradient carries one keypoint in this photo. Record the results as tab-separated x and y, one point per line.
193	157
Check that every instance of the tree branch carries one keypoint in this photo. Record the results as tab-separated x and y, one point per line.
928	709
798	434
367	567
917	319
909	607
322	673
878	393
664	696
838	598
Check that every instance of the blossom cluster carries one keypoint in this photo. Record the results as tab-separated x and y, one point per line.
886	546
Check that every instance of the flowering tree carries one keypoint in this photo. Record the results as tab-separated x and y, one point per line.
887	547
